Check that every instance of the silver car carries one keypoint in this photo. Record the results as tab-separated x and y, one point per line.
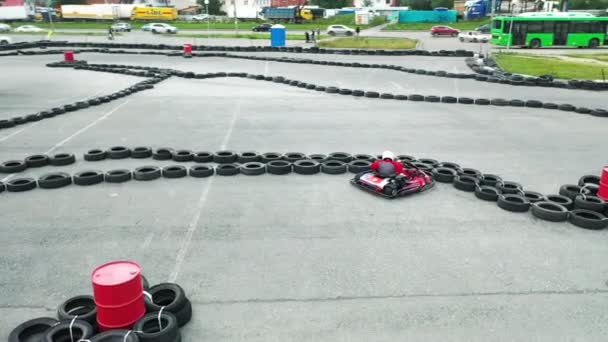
5	28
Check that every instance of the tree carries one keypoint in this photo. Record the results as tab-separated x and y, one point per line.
332	3
420	5
367	3
215	6
442	3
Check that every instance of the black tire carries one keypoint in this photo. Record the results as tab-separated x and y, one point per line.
487	193
182	155
549	211
449	165
119	152
2	187
534	44
171	296
345	91
372	94
507	187
162	153
466	100
306	167
253	169
118	176
387	96
587	219
483	102
147	173
561	200
570	190
95	155
333	167
566	107
489	179
203	157
54	180
294	156
404	158
449	99
184	315
591	203
37	160
116	335
224	157
278	167
62	159
358	93
32	330
513	203
534	104
270	156
148	330
400	97
549	105
416	97
593	43
340	156
144	282
432	98
13	166
174	171
227	170
359	165
467	171
20	184
141	152
317	157
82	306
89	177
201	171
423	166
332	90
589	179
466	183
248	157
444	174
429	161
80	330
499	102
533	196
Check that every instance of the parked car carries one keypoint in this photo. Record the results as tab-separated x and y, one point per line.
444	31
262	28
29	28
484	28
159	28
4	40
201	17
121	27
340	29
474	37
5	28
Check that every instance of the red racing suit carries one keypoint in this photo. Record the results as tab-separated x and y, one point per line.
399	169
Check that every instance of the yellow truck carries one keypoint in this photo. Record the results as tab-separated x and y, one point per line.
154	13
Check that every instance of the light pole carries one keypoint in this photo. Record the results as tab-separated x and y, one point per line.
208	18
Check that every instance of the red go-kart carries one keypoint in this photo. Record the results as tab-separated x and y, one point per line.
393	187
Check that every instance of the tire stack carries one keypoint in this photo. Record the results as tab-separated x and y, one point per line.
166	304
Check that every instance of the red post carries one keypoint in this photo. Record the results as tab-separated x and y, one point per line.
603	190
68	56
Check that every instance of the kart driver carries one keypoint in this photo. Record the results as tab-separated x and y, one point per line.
388	167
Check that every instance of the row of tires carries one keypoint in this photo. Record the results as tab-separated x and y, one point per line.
576	203
389	96
72	107
491	72
167	309
44	44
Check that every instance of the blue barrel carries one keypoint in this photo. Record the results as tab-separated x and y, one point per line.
278	35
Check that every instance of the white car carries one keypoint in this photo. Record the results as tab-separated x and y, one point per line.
121	27
5	28
340	29
29	28
474	37
5	40
160	28
201	17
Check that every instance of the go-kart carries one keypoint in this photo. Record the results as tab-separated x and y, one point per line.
394	187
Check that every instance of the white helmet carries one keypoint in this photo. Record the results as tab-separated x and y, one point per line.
388	155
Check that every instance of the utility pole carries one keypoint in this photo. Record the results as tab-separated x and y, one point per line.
208	18
493	4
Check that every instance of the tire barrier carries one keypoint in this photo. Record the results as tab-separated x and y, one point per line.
32	330
509	195
487	69
81	307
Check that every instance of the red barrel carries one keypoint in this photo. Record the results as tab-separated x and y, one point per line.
68	56
118	292
187	49
604	177
602	192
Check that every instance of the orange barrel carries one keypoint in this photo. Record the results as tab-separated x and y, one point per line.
68	56
118	292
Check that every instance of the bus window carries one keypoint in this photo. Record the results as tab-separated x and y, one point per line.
535	27
506	28
548	26
497	24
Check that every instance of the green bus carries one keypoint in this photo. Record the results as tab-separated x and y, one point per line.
542	29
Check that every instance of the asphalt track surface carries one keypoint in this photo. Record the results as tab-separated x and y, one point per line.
307	258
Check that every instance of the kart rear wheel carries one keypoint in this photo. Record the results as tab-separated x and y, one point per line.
390	189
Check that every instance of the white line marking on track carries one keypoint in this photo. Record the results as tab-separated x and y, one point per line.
202	200
13	134
396	85
82	130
